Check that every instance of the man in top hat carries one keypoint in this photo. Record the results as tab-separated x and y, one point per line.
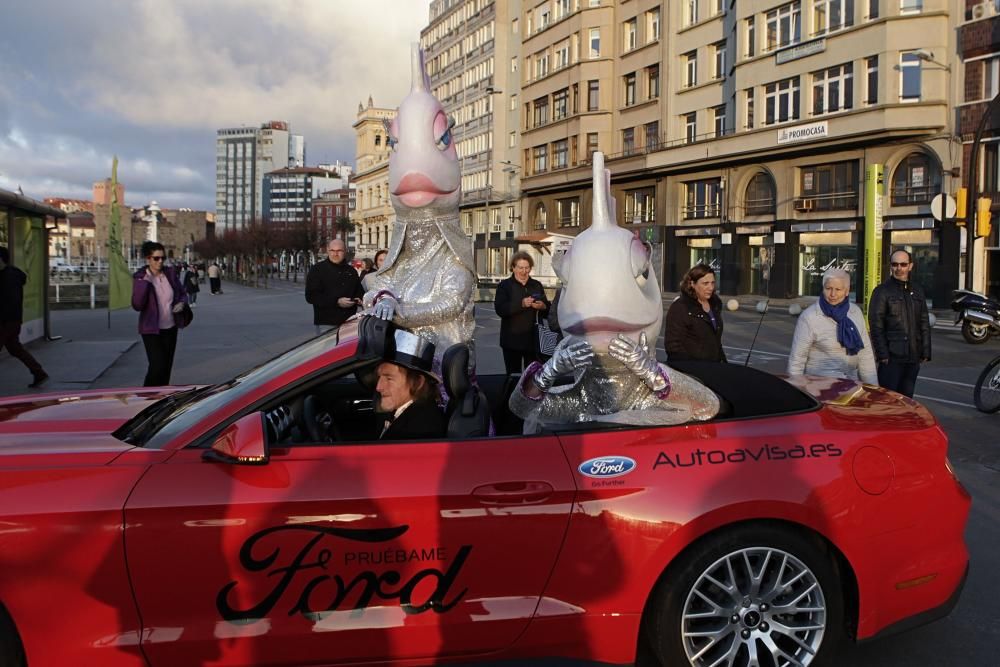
407	391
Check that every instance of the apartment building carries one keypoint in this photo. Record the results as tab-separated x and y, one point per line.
739	134
472	56
289	192
373	215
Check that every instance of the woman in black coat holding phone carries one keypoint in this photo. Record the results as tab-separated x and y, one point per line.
519	301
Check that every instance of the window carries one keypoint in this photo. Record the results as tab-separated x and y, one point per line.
991	77
628	140
652	131
909	76
512	140
830	187
871	80
544	19
560	153
690	69
562	55
513	102
652	25
690	127
873	9
593	95
720	120
910	6
595	42
831	15
759	196
751	38
540	216
628	34
640	206
540	110
782	101
561	8
783	26
652	82
513	64
833	89
749	93
718	7
591	145
703	198
540	159
690	12
576	98
916	180
513	26
629	81
594	3
719	66
568	212
574	150
560	104
541	64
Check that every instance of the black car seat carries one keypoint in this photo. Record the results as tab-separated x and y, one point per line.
468	410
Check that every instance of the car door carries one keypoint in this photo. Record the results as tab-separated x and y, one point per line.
347	552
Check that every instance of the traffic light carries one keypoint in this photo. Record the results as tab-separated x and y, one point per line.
961	205
983	215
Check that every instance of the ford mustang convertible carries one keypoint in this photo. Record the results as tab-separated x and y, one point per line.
261	522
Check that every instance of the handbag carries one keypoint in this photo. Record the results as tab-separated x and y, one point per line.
184	316
547	338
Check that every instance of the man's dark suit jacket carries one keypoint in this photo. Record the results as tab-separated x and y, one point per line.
421	420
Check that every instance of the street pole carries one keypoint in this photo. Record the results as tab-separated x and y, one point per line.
973	188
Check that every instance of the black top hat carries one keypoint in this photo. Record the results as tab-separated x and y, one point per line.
409	350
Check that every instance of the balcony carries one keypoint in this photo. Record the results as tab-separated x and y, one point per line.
912	196
831	201
699	211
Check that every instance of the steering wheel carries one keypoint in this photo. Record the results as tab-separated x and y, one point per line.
318	421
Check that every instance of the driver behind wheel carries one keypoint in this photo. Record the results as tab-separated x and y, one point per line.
406	391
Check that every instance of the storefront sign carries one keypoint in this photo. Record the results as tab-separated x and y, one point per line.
790	135
800	51
874	190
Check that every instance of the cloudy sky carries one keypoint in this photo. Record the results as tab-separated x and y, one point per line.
152	80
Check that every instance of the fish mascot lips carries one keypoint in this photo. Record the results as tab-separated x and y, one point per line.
417	190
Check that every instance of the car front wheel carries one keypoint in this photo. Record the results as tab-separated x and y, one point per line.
754	596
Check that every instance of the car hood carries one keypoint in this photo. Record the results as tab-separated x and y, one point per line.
79	422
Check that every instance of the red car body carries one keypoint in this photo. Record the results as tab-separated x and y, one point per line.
490	548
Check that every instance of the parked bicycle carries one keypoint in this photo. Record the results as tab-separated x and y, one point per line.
987	391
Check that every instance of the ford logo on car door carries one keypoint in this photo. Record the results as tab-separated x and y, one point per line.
607	466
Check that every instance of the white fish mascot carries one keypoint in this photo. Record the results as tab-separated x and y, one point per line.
427	282
610	310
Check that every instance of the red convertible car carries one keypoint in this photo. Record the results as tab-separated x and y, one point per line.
259	522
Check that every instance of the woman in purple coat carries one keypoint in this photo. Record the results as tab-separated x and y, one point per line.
159	296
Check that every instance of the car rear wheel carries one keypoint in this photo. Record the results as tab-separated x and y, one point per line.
754	596
976	334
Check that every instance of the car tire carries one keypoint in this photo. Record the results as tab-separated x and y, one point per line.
11	650
975	334
789	570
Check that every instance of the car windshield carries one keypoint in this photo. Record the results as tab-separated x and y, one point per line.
160	422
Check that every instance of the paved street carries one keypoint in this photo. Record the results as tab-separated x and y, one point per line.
246	326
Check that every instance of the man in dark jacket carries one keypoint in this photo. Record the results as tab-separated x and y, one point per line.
406	391
12	281
333	288
900	327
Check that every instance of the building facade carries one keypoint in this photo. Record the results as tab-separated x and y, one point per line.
328	210
289	192
740	136
243	155
373	215
472	55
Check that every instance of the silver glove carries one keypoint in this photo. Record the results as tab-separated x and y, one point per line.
564	361
636	358
385	309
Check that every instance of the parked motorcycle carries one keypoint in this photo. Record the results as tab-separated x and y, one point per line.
979	315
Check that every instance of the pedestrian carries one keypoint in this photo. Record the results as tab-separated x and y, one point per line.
333	288
368	266
380	259
12	280
201	274
831	338
215	278
191	285
900	327
694	319
159	296
520	300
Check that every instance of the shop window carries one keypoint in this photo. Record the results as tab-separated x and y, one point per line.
916	180
640	206
568	211
828	187
540	216
703	199
822	251
759	197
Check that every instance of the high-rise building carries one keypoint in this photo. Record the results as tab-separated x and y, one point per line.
472	56
242	156
289	192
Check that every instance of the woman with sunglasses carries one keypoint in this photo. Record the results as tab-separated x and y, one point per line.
159	296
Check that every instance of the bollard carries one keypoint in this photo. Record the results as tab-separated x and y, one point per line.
57	292
92	293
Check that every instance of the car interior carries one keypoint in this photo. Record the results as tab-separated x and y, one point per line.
340	407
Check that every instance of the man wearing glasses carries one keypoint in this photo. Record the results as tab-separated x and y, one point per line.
160	298
333	288
900	327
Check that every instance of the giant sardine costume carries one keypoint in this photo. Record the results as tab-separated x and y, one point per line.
610	309
427	281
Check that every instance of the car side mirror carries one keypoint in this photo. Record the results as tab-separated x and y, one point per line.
243	442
